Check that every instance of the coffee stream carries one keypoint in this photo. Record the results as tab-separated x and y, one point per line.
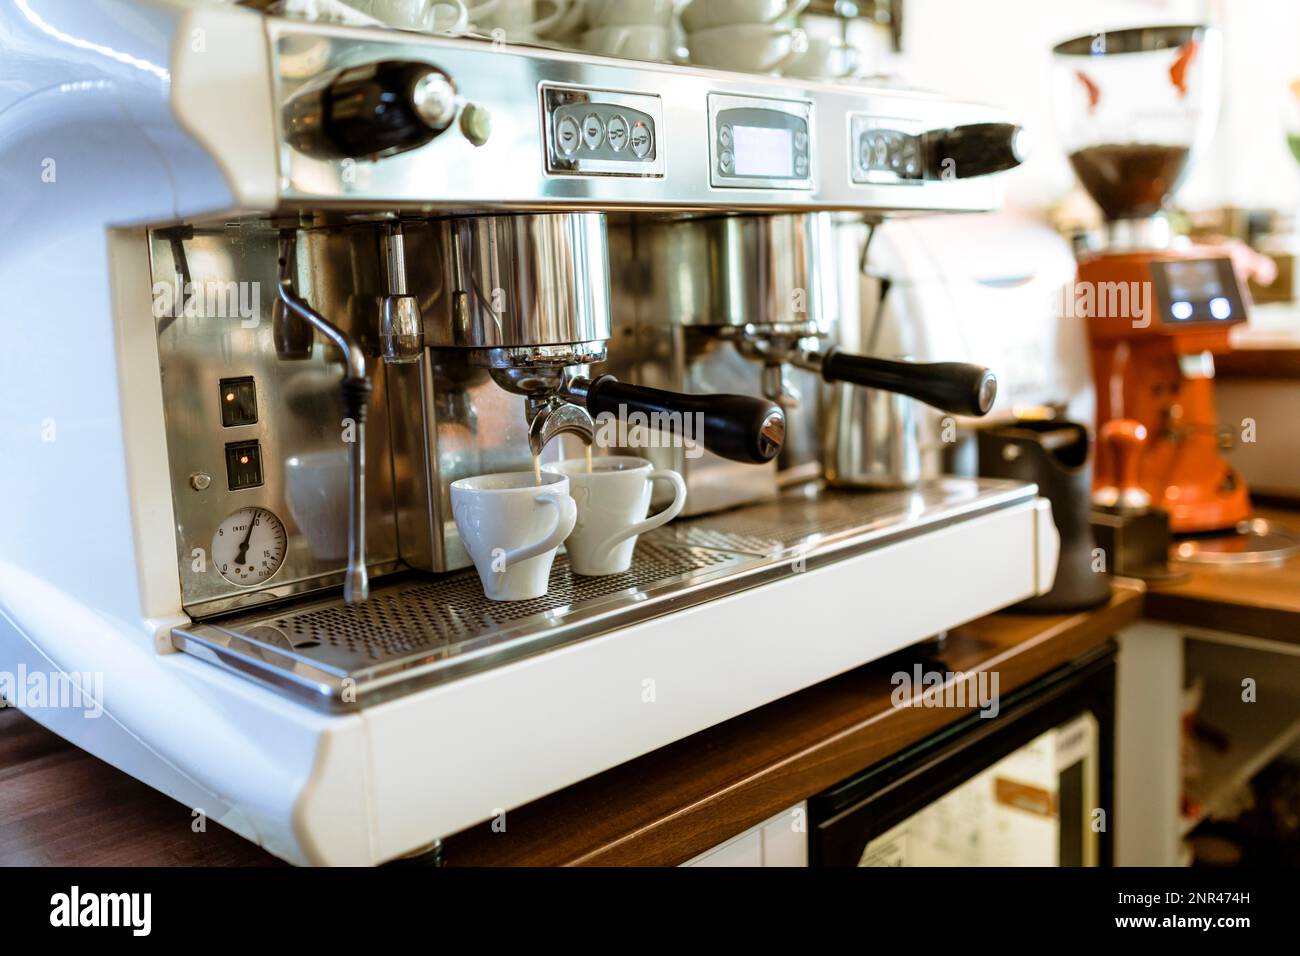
537	466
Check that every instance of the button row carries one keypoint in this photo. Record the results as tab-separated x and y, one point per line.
890	151
595	132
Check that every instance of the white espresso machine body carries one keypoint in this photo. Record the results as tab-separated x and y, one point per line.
129	117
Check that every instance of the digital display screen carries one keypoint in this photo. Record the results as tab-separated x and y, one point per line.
1194	281
763	151
1195	291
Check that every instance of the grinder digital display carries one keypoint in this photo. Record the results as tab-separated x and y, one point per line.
1197	290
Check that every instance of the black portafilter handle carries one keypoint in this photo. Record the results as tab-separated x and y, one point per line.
950	386
976	149
739	427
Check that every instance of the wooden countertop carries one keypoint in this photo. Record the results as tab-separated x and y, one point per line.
59	805
1257	601
1271	363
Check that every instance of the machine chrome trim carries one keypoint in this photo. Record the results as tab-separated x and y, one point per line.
510	171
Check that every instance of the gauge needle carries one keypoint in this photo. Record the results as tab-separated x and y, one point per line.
243	547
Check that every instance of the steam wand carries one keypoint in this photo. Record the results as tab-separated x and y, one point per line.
356	393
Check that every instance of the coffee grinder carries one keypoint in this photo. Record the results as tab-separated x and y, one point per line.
1132	107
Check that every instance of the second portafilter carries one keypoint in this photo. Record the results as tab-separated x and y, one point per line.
768	285
528	295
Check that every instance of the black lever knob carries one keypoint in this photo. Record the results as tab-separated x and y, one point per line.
739	427
974	150
372	110
950	386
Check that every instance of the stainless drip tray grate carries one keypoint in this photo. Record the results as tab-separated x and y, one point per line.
799	521
429	616
417	631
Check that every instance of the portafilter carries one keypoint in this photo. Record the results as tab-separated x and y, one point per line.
766	283
528	296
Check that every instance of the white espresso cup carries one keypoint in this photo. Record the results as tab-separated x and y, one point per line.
631	42
613	499
431	16
825	58
753	47
315	483
626	13
707	14
512	526
518	19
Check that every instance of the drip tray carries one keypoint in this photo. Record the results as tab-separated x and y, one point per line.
420	630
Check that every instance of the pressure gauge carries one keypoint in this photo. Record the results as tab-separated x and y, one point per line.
249	546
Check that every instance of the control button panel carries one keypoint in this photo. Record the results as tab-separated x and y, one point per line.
602	132
243	465
885	151
759	143
238	402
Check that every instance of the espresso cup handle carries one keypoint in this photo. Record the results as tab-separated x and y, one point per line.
798	47
566	516
542	24
461	22
852	61
657	520
478	11
624	34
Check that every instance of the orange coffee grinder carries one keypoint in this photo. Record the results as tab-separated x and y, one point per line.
1132	105
1155	367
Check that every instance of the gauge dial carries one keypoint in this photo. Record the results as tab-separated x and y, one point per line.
249	546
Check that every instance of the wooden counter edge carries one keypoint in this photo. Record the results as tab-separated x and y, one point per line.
1262	602
1275	363
605	821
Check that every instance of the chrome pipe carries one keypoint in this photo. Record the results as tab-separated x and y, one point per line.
356	393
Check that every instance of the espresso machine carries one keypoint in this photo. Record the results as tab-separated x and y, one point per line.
340	267
1157	312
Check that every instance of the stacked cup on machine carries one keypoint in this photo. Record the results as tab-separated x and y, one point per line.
525	21
635	29
755	36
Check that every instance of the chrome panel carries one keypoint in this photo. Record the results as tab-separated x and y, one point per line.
300	407
418	633
510	170
741	270
510	280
